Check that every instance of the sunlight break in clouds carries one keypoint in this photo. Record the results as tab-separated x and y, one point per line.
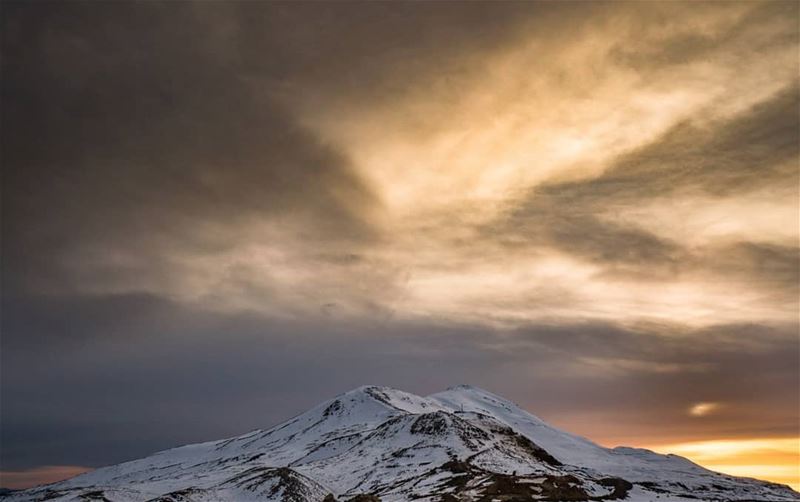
545	176
702	409
460	150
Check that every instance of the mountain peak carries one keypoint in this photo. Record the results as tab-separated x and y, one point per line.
393	399
472	390
463	386
368	388
473	399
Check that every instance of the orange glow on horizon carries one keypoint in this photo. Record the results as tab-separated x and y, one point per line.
47	474
771	459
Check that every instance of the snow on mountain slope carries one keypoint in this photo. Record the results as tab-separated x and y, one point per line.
568	448
405	448
332	424
461	444
633	464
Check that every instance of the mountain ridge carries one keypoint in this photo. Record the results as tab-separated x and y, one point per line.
461	444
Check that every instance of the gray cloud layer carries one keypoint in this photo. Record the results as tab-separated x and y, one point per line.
137	372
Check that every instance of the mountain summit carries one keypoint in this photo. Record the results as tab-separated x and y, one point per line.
378	443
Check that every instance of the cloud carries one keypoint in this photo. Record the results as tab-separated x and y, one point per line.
719	158
209	173
601	220
138	145
712	34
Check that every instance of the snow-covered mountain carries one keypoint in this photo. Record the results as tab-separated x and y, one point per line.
463	444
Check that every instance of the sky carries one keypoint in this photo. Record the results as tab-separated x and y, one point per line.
216	215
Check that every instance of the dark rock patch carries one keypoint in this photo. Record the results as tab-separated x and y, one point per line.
620	486
432	424
365	497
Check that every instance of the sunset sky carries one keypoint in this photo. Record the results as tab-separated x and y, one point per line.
216	215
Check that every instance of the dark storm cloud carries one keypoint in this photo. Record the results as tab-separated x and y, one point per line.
132	128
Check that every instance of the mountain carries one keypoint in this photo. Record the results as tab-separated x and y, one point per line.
377	443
